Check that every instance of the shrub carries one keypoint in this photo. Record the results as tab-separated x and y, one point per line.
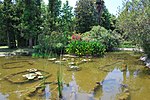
100	34
76	37
48	44
146	48
127	44
81	48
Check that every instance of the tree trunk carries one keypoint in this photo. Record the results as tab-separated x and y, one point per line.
11	40
30	43
8	40
35	42
21	42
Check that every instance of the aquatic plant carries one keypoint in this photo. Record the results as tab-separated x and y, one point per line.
81	48
53	44
59	82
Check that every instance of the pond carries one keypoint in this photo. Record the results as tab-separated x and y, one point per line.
116	76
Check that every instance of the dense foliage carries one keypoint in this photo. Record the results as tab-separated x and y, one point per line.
67	18
81	48
134	21
51	44
99	34
94	42
49	28
86	15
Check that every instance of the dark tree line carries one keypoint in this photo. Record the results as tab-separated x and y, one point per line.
22	21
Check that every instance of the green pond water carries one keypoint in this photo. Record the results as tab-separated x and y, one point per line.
78	85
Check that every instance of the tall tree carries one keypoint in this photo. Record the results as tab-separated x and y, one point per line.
67	23
52	15
85	14
113	21
19	8
8	21
31	20
134	20
106	18
2	33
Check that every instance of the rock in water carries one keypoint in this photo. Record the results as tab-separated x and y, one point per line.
52	59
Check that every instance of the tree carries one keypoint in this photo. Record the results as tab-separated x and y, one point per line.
113	21
53	15
2	33
106	18
134	20
8	22
3	36
31	20
86	16
67	24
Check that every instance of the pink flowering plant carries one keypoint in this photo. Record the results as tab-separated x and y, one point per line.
76	37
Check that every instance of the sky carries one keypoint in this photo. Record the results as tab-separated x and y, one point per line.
112	5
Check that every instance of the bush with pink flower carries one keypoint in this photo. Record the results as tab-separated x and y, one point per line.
76	37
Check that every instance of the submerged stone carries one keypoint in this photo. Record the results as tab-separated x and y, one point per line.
71	68
84	60
51	59
30	76
75	67
58	62
38	73
127	94
123	97
32	70
126	90
124	67
70	56
64	59
40	77
27	98
143	58
71	63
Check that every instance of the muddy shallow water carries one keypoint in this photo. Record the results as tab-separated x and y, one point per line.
102	79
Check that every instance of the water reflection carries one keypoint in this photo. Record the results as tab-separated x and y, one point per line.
47	92
135	73
137	81
71	92
3	97
127	74
111	85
